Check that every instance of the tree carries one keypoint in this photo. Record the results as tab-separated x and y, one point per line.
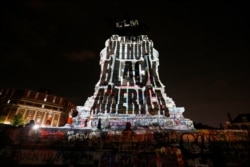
2	119
18	120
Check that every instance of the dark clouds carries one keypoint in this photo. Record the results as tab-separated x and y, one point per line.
203	47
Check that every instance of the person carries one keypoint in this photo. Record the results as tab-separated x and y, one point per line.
28	128
128	133
30	124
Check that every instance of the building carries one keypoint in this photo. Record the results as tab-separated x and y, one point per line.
42	107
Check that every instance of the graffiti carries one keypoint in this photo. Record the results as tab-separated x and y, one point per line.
98	158
216	147
72	136
140	147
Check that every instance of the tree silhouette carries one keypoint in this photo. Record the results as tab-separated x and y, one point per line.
18	120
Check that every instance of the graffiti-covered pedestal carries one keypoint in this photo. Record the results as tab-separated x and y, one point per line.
129	88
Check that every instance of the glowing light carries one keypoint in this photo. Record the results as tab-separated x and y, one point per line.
35	127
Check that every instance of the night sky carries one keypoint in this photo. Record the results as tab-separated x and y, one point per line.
203	50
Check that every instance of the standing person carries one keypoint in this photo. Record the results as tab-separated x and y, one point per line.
128	133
